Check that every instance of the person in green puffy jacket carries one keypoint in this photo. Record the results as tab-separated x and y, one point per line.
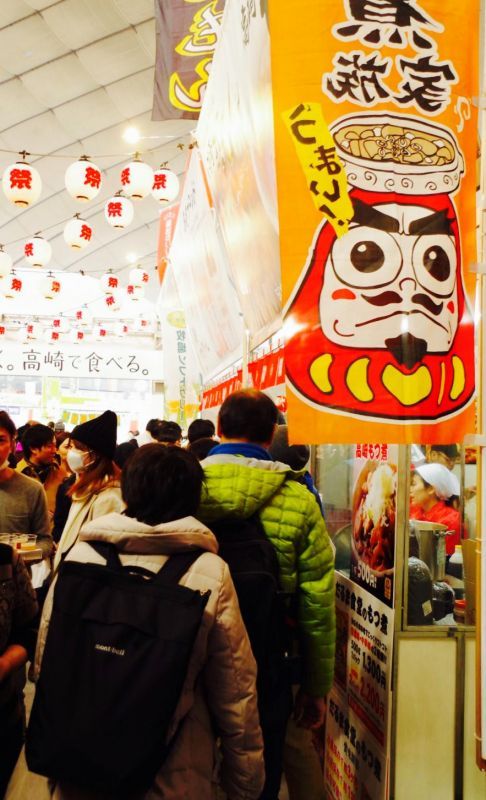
241	479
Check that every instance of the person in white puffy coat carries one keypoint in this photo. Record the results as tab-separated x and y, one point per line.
161	488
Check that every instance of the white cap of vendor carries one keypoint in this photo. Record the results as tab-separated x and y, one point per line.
443	480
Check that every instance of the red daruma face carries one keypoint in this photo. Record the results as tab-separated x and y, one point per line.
394	273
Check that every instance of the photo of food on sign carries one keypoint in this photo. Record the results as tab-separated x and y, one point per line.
379	324
374	509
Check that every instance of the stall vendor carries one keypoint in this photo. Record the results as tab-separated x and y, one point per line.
432	490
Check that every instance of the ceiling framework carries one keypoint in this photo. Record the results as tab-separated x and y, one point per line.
74	74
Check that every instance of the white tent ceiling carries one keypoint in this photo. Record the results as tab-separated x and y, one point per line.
74	74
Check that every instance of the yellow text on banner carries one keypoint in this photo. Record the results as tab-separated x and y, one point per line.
324	172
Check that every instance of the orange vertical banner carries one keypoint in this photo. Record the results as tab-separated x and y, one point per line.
376	138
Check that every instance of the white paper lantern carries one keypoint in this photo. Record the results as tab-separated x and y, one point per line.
11	285
61	324
165	187
121	329
21	184
32	331
100	333
109	282
5	262
3	331
51	287
77	233
37	251
83	180
138	277
142	325
119	211
112	301
135	292
83	316
52	336
76	335
137	179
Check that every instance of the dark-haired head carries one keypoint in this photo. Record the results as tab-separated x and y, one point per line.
7	424
201	448
35	437
200	429
248	415
160	484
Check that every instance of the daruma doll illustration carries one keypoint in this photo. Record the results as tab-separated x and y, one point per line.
379	324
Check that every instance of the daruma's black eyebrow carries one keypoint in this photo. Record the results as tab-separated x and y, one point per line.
434	223
370	216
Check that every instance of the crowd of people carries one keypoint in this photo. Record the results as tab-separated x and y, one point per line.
239	718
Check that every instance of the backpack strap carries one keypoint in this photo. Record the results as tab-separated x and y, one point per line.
171	572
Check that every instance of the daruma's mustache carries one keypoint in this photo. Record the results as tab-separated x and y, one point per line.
383	299
427	302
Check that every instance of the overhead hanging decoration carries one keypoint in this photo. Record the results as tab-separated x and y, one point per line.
121	329
83	180
61	324
21	183
11	285
83	316
5	262
135	292
50	287
32	331
112	301
76	335
119	211
37	251
109	282
77	233
100	332
138	277
52	336
166	185
137	179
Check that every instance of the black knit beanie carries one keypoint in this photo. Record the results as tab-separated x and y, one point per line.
99	434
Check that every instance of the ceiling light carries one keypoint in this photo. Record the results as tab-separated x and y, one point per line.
132	135
131	258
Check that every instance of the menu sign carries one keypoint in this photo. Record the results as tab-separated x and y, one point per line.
373	519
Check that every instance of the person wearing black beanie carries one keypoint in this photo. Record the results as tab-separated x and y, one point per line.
96	490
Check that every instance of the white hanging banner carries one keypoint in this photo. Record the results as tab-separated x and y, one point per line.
71	361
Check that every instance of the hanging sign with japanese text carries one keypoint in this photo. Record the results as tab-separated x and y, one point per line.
375	134
187	32
35	360
358	722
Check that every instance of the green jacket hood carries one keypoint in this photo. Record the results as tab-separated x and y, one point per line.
239	486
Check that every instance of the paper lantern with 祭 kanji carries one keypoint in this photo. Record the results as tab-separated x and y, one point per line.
77	233
52	336
61	324
37	251
135	292
100	333
83	316
121	329
112	301
5	262
165	187
142	325
32	331
83	180
138	277
51	287
21	184
119	211
109	282
3	331
137	179
11	286
76	335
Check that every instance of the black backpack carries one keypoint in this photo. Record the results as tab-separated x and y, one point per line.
114	664
266	610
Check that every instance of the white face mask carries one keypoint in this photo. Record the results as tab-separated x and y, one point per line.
78	460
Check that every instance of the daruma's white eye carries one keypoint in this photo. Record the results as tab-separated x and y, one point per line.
366	258
434	262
